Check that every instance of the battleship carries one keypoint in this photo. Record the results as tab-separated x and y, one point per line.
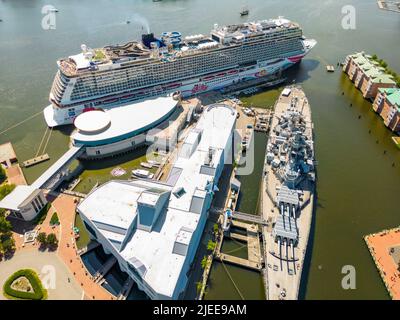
288	195
119	74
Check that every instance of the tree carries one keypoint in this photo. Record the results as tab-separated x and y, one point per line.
216	228
3	175
374	57
199	285
42	238
211	245
51	240
8	245
204	262
5	225
6	189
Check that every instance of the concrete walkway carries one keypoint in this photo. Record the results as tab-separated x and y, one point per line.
43	263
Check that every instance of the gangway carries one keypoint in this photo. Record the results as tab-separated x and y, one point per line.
54	175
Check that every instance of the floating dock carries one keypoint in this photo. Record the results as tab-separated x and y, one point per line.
36	160
254	260
330	68
389	5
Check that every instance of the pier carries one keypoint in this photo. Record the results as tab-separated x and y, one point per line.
385	251
36	160
254	260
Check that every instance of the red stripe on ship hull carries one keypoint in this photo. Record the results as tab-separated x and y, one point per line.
296	58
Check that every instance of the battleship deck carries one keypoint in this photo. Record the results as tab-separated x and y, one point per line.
284	264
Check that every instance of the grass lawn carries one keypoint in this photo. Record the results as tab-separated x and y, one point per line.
100	171
84	238
264	99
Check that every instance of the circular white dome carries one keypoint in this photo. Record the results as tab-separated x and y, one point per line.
92	121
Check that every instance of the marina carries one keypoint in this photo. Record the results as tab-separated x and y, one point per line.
367	153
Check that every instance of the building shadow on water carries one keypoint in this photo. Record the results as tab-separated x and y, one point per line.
300	72
310	245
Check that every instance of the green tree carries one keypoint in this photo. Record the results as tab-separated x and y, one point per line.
374	57
5	189
42	238
211	245
216	228
199	285
51	239
3	175
5	225
8	245
204	262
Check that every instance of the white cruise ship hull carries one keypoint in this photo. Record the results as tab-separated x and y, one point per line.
56	116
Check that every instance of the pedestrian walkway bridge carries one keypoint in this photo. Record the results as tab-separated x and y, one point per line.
54	175
237	215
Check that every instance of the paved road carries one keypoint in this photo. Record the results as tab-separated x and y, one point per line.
36	260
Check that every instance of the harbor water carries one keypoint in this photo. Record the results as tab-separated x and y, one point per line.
358	165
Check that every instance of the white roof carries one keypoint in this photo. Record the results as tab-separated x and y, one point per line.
17	197
116	203
123	120
92	121
81	61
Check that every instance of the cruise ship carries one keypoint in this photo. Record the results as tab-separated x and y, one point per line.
119	74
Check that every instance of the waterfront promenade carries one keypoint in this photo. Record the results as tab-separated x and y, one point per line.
385	250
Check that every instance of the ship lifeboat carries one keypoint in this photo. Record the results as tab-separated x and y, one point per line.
127	96
88	109
173	85
208	78
233	72
111	100
221	74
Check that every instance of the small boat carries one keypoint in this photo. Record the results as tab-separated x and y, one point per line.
146	165
128	22
154	163
53	10
139	173
244	12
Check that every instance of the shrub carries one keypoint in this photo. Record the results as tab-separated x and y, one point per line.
51	239
8	245
6	189
211	245
5	225
3	175
54	219
42	238
39	293
204	262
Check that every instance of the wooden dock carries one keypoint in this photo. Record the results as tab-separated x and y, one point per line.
254	260
238	261
36	160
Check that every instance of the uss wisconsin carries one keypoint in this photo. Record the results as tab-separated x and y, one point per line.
118	74
288	193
